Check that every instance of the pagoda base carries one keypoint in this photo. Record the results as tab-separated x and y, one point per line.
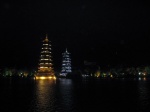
45	76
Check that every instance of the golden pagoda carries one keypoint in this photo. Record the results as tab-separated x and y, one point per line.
45	69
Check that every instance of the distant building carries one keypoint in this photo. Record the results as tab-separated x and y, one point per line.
66	64
45	68
91	69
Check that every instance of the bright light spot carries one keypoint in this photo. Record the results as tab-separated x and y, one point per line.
42	77
144	79
43	67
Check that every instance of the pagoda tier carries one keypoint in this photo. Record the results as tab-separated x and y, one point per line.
66	64
45	63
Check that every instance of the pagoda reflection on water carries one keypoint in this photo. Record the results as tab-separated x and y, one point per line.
45	69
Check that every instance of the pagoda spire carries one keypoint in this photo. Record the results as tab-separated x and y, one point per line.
66	50
46	38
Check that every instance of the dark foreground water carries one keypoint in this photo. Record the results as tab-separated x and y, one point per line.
66	95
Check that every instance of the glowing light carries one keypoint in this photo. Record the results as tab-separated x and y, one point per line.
41	63
45	59
42	77
43	67
144	74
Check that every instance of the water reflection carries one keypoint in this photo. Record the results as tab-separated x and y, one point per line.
44	96
53	96
143	94
65	95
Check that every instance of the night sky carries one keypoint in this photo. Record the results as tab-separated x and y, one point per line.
108	32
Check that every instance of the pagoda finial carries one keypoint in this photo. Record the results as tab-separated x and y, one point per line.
46	36
46	39
66	50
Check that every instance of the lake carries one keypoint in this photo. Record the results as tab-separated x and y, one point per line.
67	95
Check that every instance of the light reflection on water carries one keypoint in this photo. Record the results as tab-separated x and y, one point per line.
144	95
44	96
52	95
66	95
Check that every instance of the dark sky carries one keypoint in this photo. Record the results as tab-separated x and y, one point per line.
109	32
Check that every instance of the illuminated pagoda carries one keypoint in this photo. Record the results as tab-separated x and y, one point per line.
45	69
66	64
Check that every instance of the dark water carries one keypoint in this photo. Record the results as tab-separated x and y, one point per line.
66	95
